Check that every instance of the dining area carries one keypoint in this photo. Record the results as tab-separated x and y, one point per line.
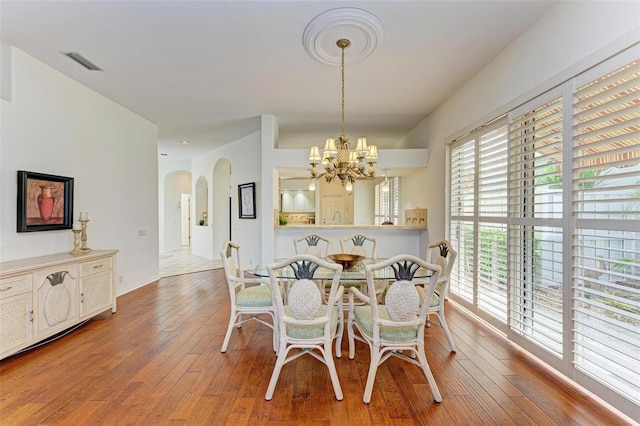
315	299
159	360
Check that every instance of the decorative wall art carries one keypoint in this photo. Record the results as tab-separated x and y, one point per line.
45	202
247	200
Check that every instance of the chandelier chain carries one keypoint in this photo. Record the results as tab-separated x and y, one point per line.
342	82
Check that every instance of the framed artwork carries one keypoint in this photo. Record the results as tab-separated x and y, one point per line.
45	202
247	200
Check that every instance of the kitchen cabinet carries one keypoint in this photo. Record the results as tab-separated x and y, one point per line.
298	201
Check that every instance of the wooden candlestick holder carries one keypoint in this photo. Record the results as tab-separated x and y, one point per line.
76	243
83	237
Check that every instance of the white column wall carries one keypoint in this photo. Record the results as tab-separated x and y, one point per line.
244	156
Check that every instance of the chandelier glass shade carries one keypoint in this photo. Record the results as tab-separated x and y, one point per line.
337	157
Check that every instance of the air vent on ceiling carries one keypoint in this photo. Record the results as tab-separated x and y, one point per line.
82	61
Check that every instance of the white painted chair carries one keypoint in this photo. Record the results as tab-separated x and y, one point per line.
367	247
442	254
250	297
305	323
360	244
396	328
313	244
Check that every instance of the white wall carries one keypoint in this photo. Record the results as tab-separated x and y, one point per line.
244	156
569	38
54	125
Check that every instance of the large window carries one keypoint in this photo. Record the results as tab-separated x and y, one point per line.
545	216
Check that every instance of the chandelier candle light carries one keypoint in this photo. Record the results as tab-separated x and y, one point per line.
337	157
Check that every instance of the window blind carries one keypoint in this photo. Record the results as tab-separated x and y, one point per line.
545	219
536	237
606	197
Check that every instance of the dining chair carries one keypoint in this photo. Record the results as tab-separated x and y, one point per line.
364	246
359	244
306	324
313	244
395	328
445	256
250	297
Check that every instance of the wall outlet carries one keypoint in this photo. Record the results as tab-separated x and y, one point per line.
142	232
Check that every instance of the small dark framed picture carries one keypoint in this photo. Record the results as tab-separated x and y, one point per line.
247	200
45	202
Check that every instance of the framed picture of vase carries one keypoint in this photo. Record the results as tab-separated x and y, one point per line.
45	202
247	200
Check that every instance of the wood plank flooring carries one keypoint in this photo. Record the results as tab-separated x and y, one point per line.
157	361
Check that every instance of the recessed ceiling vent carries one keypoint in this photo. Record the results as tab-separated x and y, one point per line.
82	61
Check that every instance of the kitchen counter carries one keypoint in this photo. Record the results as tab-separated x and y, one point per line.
348	227
392	239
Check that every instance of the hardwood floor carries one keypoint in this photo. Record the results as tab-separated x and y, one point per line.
158	361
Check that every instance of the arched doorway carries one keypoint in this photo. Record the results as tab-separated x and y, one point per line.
177	187
221	204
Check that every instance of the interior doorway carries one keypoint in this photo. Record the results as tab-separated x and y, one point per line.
220	216
185	219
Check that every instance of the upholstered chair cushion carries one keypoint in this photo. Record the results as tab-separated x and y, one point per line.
314	331
435	299
397	334
255	296
402	301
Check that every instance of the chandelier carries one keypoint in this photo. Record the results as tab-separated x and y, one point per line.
338	159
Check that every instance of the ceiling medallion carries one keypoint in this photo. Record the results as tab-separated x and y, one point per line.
362	28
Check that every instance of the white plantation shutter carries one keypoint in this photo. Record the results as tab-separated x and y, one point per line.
462	212
462	186
606	196
536	309
462	236
536	162
492	172
546	222
492	270
536	211
478	230
492	221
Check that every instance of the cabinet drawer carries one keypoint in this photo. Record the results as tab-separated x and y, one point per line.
15	285
95	266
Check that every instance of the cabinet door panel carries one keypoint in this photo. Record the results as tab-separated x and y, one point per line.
16	326
56	299
95	293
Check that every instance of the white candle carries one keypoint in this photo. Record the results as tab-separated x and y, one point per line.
84	216
77	226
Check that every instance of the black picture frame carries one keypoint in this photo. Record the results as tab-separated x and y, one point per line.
247	200
45	202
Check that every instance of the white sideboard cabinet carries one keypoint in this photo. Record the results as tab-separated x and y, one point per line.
42	296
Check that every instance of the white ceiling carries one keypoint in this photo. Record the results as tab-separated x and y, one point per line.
204	71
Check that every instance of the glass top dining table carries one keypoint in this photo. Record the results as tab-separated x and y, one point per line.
353	274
